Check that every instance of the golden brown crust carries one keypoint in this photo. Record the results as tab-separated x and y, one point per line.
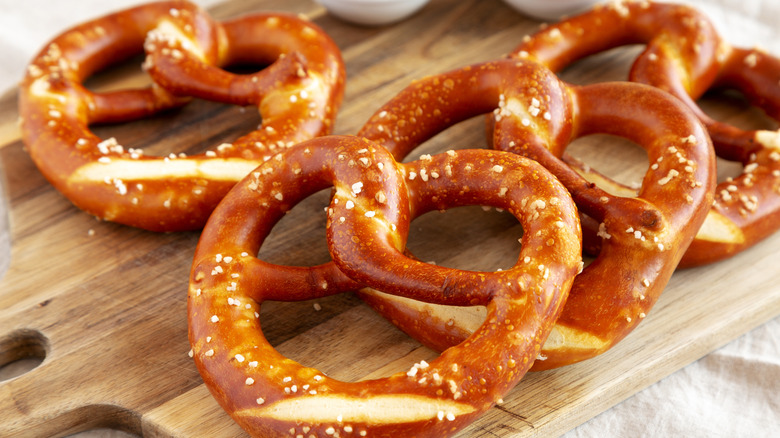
368	221
172	193
686	57
644	237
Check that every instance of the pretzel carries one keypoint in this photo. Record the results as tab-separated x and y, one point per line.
643	237
374	199
686	57
297	96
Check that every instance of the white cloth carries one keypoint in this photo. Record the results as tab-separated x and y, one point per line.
733	392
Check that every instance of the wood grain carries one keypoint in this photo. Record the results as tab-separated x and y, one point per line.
105	305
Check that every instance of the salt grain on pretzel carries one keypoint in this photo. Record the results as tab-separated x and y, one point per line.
633	268
176	192
686	57
275	396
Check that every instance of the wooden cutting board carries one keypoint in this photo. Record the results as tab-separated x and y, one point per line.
104	305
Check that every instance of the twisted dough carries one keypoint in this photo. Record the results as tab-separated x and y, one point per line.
368	221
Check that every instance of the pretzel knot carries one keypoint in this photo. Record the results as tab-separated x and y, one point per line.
297	96
367	225
643	237
686	57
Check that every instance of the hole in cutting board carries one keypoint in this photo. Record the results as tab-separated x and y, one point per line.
21	352
96	421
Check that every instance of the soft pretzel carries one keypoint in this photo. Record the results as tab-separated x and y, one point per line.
643	237
686	57
368	220
297	96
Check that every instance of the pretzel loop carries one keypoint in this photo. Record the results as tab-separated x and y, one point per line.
177	192
368	220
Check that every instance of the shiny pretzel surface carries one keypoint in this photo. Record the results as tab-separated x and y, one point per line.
297	96
686	56
374	199
643	237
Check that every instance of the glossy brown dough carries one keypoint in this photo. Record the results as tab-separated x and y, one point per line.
686	57
297	95
374	199
643	237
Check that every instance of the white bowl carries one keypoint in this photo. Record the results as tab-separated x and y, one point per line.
551	9
373	12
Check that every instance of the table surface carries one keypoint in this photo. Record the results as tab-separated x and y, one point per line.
732	391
